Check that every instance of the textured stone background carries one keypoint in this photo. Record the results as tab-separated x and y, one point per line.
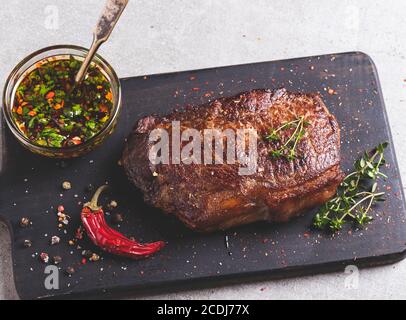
157	36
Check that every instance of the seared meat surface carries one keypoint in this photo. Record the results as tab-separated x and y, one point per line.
209	197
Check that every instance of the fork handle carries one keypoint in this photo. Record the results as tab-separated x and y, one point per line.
107	21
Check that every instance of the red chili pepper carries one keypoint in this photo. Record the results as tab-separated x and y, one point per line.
109	239
50	95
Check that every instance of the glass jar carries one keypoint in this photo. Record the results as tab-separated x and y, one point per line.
26	66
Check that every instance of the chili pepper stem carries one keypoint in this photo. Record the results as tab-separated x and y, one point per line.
93	202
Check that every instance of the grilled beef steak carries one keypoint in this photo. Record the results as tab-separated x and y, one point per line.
209	197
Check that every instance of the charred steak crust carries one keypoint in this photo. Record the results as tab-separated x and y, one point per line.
213	197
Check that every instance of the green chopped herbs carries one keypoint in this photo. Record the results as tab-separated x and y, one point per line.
287	149
356	195
51	112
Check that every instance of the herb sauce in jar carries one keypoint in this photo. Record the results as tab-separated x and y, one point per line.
51	112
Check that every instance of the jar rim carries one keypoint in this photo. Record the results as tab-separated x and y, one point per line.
78	51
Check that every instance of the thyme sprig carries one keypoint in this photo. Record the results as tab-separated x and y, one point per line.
288	148
356	195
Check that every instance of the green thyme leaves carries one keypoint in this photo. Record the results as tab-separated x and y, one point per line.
356	195
287	149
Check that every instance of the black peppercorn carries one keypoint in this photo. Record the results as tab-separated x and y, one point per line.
117	218
27	243
70	270
90	188
57	259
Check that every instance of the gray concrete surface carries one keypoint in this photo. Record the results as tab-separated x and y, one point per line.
157	36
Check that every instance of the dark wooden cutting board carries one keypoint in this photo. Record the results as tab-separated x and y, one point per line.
31	186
